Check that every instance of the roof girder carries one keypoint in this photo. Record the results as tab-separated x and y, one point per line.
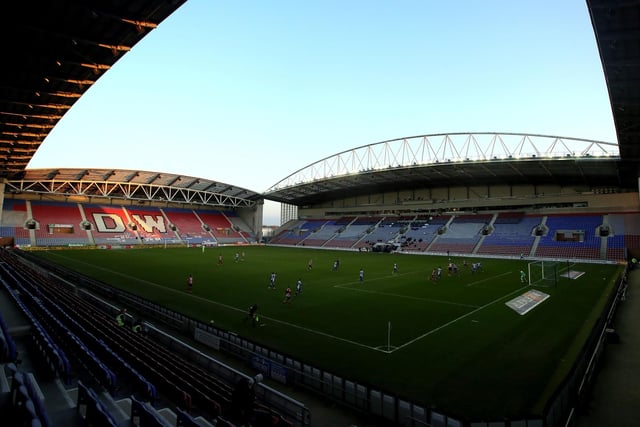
127	191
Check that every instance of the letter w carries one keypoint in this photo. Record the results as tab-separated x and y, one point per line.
149	223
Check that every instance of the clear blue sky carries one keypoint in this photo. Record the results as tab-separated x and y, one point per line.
247	92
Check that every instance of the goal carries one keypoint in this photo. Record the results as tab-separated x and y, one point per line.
543	273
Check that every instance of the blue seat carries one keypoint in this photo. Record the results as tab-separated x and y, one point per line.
91	408
146	415
29	411
184	419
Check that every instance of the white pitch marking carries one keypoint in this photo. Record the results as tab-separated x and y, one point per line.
477	282
369	291
231	307
460	318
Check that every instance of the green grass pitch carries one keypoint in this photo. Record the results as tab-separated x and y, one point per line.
453	344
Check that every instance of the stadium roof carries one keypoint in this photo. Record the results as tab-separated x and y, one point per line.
616	24
131	185
455	159
53	51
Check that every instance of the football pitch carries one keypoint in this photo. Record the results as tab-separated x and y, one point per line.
451	343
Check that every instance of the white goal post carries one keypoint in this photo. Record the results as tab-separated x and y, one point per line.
543	273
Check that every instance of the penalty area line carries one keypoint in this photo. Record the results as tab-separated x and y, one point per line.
324	334
451	322
477	282
386	349
389	294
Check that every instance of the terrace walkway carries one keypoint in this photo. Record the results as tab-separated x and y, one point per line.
615	398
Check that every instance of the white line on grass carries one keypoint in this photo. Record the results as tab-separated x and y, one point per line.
477	282
369	291
459	318
156	285
313	331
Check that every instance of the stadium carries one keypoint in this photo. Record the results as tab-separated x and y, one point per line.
451	279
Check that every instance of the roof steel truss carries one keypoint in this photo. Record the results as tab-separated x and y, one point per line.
442	148
126	191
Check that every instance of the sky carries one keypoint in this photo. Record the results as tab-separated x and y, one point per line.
248	92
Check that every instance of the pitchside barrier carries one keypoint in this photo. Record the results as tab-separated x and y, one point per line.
573	394
364	397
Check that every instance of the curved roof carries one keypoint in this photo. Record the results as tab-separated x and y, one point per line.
452	159
53	52
132	185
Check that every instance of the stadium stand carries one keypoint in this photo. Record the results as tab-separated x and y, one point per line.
60	224
422	231
8	352
508	233
220	226
297	231
353	230
512	235
386	230
240	226
321	235
27	407
114	358
151	225
571	236
53	359
189	227
91	409
71	224
624	232
110	225
14	221
578	236
461	235
290	233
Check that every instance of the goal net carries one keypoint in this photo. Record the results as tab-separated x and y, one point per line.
543	273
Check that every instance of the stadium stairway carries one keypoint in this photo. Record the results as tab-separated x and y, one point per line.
478	245
435	239
615	397
536	241
483	237
603	248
